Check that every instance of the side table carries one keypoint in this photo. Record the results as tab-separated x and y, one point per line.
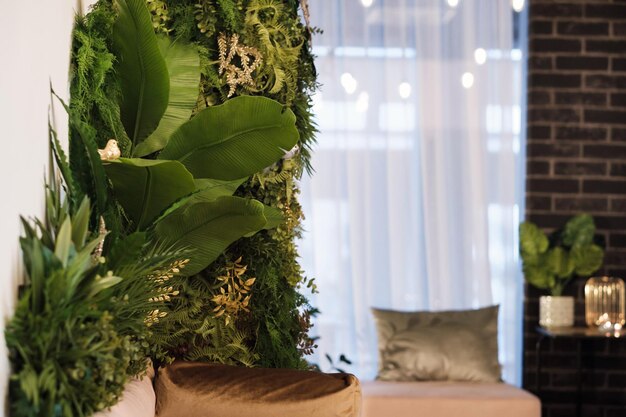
578	334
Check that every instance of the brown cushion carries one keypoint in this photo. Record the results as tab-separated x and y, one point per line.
192	389
447	399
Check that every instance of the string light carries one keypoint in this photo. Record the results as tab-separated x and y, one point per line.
518	5
480	56
404	89
363	102
348	82
467	80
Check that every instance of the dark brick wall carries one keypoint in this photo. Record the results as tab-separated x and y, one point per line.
576	155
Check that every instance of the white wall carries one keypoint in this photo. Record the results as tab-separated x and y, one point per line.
34	52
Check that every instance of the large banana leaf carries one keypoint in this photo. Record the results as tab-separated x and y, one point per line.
183	65
147	187
274	217
208	228
206	191
235	139
142	71
217	188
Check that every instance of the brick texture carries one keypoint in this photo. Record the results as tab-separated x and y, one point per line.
576	162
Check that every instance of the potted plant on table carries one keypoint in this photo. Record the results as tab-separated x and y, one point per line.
550	263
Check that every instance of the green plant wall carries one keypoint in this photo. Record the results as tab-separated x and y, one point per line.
276	327
171	222
258	48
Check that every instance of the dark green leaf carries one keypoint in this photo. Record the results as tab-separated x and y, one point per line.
218	188
579	231
235	139
206	191
80	224
183	64
539	277
274	217
208	228
145	188
63	242
532	240
35	267
79	265
62	162
587	259
85	163
103	283
126	251
560	263
144	78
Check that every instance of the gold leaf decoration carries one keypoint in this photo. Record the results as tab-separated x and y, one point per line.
234	292
237	61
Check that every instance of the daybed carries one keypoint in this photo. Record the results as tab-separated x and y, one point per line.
205	390
446	399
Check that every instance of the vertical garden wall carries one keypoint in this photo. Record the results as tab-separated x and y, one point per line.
171	220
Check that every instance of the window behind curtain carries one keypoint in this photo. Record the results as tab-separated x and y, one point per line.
419	167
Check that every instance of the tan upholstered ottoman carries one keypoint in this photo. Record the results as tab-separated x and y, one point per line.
446	399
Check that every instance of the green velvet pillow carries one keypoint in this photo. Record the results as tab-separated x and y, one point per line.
459	345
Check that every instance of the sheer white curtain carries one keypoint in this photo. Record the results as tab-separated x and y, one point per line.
415	201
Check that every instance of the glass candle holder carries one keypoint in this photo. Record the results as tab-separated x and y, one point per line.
604	303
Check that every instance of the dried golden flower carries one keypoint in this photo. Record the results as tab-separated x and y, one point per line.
165	294
231	51
234	295
154	316
161	276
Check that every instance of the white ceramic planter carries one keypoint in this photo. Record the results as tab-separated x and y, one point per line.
556	311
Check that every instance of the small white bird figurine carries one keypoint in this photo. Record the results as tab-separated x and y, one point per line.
110	152
292	153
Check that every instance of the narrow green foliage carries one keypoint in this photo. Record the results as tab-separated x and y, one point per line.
79	332
279	44
58	334
62	162
85	163
94	87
